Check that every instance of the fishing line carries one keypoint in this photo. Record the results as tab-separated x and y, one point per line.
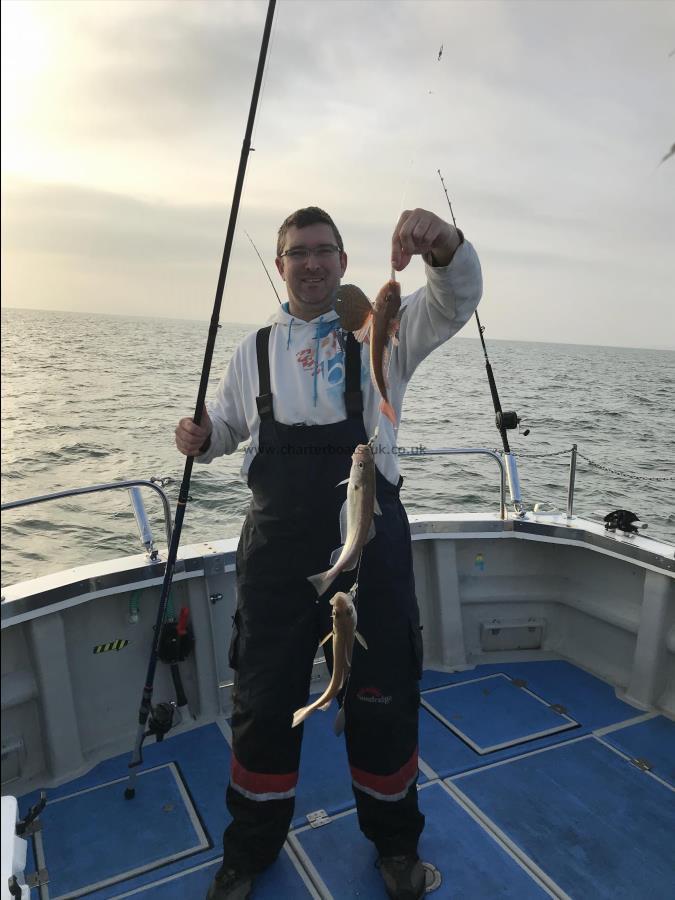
146	710
425	119
263	265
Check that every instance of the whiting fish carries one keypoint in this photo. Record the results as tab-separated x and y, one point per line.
356	518
343	634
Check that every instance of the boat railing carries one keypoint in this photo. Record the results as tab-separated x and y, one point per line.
467	451
134	487
507	469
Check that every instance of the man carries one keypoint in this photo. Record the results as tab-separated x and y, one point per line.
301	390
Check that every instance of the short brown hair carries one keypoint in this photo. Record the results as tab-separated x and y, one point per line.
301	218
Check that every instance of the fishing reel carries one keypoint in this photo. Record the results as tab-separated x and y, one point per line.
623	520
509	420
162	718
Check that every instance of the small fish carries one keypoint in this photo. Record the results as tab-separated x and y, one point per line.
343	634
356	518
384	324
373	323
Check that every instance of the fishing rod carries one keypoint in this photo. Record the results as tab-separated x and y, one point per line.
160	723
504	421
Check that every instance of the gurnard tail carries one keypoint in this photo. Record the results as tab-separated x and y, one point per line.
388	410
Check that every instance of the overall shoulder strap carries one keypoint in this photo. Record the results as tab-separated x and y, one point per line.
264	399
353	395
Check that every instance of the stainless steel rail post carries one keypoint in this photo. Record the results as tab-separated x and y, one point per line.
141	516
570	489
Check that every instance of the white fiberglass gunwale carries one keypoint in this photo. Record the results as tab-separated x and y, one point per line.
57	591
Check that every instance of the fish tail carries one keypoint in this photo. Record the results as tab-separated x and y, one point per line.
300	715
388	410
322	581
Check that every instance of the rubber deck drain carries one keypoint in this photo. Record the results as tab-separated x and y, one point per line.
432	878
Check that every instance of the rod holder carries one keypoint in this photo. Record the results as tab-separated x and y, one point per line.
142	522
514	483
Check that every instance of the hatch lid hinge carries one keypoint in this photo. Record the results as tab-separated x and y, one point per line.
318	818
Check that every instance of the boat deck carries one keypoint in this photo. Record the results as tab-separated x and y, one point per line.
535	781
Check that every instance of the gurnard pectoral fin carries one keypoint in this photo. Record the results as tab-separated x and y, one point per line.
360	638
388	410
326	639
376	509
363	333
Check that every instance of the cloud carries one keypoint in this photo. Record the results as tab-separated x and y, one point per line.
548	129
79	222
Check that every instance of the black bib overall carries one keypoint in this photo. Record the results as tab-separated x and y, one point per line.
290	531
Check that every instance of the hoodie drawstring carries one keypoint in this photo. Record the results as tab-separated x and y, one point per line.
316	361
288	342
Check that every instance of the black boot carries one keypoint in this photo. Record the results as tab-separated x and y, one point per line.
230	885
403	877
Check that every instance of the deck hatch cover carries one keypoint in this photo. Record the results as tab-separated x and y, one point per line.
492	713
95	837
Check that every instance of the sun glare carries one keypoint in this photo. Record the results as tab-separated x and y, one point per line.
25	56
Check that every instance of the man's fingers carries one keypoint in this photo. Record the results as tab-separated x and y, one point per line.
412	231
189	428
417	232
399	259
190	437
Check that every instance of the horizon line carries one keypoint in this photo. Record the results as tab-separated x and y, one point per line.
253	325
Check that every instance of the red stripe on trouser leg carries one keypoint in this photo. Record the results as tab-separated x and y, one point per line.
261	783
387	786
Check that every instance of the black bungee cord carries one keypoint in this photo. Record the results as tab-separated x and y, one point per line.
160	722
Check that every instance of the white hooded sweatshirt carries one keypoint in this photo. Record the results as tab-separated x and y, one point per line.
307	366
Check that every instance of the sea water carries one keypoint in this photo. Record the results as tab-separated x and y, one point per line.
93	398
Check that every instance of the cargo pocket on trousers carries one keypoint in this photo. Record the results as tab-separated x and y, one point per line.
233	652
417	646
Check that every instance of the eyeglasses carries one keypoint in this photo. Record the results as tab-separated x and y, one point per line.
325	251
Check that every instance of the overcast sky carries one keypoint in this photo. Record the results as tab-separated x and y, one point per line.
122	125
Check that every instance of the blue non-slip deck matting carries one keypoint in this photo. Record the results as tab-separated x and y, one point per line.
492	712
282	881
96	836
471	863
597	825
652	741
474	865
586	699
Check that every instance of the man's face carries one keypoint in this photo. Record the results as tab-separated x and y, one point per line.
313	281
